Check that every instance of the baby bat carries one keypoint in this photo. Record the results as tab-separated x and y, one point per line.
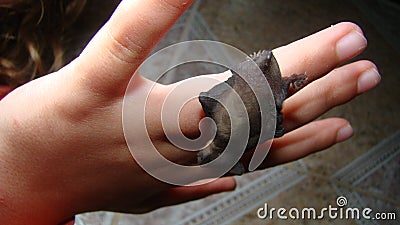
210	102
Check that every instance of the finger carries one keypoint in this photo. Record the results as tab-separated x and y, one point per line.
319	53
336	88
311	138
112	56
190	193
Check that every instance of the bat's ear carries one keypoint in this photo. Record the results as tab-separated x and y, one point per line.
208	103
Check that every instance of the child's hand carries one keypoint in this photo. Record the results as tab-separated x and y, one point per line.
62	146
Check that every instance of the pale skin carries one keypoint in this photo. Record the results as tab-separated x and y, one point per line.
62	148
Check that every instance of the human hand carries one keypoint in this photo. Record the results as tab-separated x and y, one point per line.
63	132
63	151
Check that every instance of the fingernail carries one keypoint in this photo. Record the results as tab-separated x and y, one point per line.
344	133
350	45
368	80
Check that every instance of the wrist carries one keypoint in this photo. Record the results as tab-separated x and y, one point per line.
26	195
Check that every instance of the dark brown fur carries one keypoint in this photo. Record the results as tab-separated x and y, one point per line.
212	107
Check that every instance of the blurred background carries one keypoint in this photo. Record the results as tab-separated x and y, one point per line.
365	169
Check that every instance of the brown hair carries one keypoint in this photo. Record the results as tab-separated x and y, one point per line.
33	37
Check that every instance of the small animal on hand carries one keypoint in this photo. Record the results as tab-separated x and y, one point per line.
212	103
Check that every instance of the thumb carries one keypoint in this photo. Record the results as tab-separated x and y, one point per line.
113	55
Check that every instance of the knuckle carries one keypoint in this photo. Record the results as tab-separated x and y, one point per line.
124	49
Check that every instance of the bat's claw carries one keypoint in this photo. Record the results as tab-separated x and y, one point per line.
296	81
